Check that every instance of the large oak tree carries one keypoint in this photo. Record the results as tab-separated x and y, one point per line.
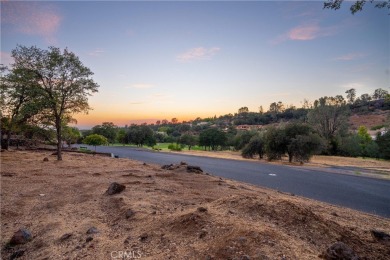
63	81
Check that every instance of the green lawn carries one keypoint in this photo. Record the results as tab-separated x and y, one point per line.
119	144
164	147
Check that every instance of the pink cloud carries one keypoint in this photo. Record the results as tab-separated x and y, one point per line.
32	18
199	53
304	33
350	56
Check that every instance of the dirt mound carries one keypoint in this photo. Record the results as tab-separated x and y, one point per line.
189	223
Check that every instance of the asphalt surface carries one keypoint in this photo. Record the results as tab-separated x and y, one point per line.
357	192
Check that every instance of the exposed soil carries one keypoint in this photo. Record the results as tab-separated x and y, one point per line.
368	120
165	214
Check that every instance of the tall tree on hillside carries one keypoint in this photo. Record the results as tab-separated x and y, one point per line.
243	110
261	110
365	98
328	117
276	107
64	83
351	95
380	93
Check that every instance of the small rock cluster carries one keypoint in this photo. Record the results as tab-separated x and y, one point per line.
115	188
189	168
339	250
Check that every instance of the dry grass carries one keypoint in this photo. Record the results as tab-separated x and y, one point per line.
67	197
368	120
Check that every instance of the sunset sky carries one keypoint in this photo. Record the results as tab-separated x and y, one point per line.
159	60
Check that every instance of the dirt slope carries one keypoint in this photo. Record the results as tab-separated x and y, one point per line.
165	214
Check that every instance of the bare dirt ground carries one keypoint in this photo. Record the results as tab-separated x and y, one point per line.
368	120
165	214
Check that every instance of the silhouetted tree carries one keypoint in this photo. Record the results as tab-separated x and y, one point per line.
356	6
351	94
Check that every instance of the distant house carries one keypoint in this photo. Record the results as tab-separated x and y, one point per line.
202	123
249	127
373	133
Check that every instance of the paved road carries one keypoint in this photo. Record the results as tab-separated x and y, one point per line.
357	192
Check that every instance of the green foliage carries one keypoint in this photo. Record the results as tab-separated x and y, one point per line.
275	143
371	150
303	147
108	130
350	146
95	139
21	100
295	139
121	136
242	138
254	147
70	134
212	138
141	135
189	140
364	140
174	147
329	118
62	81
301	143
364	135
383	142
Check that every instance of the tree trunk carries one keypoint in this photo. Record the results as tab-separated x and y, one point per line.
8	140
290	157
1	139
59	141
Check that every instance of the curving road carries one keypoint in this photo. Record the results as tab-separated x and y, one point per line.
356	192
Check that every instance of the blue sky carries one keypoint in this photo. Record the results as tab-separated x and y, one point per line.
159	60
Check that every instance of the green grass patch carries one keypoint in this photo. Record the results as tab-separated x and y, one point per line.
127	145
165	147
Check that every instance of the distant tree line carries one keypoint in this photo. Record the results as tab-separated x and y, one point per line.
38	98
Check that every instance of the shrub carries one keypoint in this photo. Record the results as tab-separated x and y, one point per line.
254	147
174	147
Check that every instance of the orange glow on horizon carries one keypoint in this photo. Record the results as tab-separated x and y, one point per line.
93	119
